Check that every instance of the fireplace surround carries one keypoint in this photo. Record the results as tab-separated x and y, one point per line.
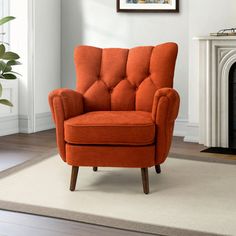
216	61
232	106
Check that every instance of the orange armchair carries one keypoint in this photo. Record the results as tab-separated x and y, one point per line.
122	112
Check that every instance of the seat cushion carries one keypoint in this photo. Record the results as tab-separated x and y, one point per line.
111	128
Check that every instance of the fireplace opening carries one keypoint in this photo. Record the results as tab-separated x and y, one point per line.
232	106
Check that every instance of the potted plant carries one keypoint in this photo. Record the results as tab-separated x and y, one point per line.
8	60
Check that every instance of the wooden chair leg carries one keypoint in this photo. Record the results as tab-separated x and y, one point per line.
158	169
74	174
145	180
95	169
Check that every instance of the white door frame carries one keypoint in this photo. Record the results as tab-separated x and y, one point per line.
31	66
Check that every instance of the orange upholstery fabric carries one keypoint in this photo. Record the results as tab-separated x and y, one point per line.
111	127
164	112
64	103
122	79
123	110
111	156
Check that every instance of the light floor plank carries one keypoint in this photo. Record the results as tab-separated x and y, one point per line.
19	224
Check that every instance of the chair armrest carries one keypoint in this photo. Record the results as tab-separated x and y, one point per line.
72	102
164	112
64	104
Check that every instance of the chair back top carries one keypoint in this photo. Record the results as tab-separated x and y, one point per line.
123	79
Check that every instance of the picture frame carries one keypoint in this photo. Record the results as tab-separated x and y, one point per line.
147	5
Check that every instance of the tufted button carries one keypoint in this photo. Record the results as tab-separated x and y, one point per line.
110	90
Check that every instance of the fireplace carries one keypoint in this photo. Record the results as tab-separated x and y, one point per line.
232	106
217	91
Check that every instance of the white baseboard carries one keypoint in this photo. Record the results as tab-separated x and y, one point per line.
189	131
43	121
9	125
20	124
180	129
23	124
192	134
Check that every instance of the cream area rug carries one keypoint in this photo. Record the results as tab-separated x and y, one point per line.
188	198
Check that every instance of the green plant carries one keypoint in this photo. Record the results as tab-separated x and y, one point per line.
8	60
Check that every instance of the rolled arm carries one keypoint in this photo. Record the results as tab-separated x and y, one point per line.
64	104
164	113
72	102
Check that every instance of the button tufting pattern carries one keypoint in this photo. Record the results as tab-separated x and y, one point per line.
122	79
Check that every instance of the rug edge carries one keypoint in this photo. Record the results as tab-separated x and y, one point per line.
100	220
27	163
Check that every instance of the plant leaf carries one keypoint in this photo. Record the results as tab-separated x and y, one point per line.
2	50
0	90
10	56
9	76
6	19
16	73
2	65
6	102
13	63
7	69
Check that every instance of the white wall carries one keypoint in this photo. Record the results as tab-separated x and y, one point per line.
47	51
47	58
204	17
97	23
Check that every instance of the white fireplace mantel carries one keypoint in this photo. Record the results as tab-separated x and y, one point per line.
215	58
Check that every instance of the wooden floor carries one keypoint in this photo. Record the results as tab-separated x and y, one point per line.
18	224
181	149
19	148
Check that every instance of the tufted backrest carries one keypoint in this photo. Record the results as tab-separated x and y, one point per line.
123	79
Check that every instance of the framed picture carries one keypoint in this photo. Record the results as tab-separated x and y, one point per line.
148	5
